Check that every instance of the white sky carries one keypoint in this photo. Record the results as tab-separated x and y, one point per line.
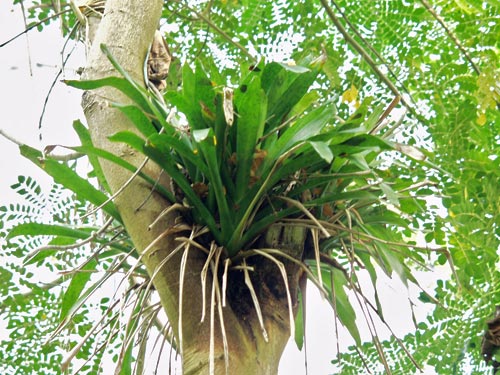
22	96
21	102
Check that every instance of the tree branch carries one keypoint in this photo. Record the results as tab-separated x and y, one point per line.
452	35
373	65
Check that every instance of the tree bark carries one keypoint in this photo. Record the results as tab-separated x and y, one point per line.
127	29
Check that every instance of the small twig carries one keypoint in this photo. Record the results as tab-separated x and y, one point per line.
23	11
370	47
34	26
119	191
384	115
373	65
72	156
79	15
10	138
75	245
221	32
96	253
53	84
67	361
451	34
396	126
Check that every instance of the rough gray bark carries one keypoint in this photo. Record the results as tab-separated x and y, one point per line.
127	29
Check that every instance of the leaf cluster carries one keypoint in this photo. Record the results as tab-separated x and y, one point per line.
269	151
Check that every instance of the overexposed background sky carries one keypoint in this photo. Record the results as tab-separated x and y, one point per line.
28	66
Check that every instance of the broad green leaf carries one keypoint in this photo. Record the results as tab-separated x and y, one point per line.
130	138
197	94
95	152
323	150
204	92
186	105
121	84
188	82
391	196
169	144
67	177
169	165
285	85
40	229
291	96
75	288
200	135
306	127
343	306
207	144
201	211
366	259
300	322
335	283
251	104
142	122
86	141
306	102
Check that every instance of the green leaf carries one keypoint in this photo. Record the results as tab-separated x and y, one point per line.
306	127
323	150
207	145
285	86
293	93
300	322
204	92
202	213
367	263
39	229
251	105
96	152
334	281
200	135
306	102
86	141
130	138
197	97
121	84
75	288
67	177
142	122
170	144
391	196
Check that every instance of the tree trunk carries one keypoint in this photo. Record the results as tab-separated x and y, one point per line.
127	29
